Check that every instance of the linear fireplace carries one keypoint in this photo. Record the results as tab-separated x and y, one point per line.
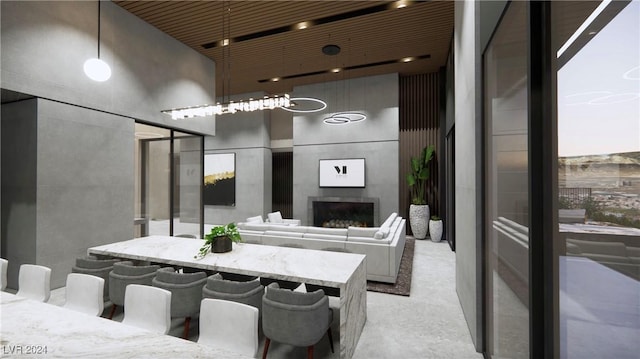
342	212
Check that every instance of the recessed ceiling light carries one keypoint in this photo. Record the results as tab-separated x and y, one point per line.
407	59
224	42
401	4
336	70
303	25
591	33
275	79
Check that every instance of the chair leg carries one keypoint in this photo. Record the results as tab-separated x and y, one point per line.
330	339
113	310
267	341
310	352
187	322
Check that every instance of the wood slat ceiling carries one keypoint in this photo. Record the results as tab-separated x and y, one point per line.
421	28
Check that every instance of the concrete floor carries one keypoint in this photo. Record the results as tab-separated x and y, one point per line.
427	324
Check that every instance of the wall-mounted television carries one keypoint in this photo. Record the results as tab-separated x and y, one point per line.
348	172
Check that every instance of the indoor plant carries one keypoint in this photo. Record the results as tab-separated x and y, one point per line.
219	240
417	179
435	228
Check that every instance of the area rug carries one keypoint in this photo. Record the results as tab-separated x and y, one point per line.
402	285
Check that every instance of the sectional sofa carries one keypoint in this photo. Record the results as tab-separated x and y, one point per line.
382	245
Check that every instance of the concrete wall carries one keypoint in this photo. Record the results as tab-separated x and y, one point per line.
474	25
80	168
84	150
467	91
45	43
246	135
19	131
375	139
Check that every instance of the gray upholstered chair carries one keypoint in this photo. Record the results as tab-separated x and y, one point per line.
186	235
96	267
295	318
245	292
186	293
123	274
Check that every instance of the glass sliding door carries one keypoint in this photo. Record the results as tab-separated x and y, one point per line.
169	182
597	79
153	164
187	184
507	187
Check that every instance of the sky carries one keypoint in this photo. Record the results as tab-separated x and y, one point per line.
599	91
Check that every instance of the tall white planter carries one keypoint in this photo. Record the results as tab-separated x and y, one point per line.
419	220
435	230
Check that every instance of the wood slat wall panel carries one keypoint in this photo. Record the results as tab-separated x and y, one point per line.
419	127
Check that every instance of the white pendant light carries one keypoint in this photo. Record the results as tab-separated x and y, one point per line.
95	68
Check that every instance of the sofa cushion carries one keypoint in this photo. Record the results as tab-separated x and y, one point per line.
331	237
389	220
284	234
362	231
275	217
382	233
281	228
370	240
332	231
256	219
254	226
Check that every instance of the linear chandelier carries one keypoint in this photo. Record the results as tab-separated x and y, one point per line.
230	107
266	103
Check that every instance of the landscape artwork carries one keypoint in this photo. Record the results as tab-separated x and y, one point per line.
220	179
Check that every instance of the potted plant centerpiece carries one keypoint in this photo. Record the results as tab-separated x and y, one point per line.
435	228
219	240
417	179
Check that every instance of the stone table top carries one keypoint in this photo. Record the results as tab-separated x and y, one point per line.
331	269
31	329
346	271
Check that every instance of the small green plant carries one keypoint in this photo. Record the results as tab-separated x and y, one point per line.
419	175
228	230
435	218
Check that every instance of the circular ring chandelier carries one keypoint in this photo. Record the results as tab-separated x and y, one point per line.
296	100
343	118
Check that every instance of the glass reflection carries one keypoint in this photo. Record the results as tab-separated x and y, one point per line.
598	109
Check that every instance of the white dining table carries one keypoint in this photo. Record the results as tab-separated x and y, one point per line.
346	271
32	329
